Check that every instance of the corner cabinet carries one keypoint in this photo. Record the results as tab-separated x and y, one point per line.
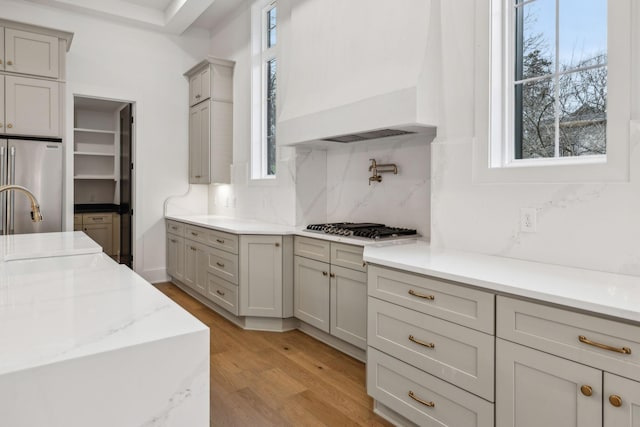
210	121
245	275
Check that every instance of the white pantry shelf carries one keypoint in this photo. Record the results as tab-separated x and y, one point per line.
111	132
89	153
104	177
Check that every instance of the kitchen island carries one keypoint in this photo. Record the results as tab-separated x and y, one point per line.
85	341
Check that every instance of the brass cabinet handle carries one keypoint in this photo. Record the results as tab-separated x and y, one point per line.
220	241
364	263
423	343
1	125
219	264
9	62
193	248
174	227
586	390
623	350
324	273
198	176
9	125
277	245
332	275
424	402
419	295
174	241
220	293
97	218
194	234
615	400
197	96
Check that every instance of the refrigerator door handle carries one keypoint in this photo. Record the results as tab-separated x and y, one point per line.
12	180
3	181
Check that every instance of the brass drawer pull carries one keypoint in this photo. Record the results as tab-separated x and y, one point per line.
416	294
194	234
174	241
193	248
97	218
219	264
332	275
623	350
220	293
324	273
9	63
615	400
277	245
174	227
424	402
417	341
220	241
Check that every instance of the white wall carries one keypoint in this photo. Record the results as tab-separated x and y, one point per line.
591	225
122	62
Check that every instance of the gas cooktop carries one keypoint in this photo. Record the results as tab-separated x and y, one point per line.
362	229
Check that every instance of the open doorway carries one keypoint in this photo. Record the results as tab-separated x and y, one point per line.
103	167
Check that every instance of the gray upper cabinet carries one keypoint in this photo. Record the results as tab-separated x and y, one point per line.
210	121
31	53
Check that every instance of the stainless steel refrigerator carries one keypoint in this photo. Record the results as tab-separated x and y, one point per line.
37	165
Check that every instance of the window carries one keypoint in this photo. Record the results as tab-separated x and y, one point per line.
264	90
560	87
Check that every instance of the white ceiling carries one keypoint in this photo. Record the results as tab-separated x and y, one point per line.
171	16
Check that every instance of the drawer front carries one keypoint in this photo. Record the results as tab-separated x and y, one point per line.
176	228
439	298
222	293
97	218
559	332
221	240
456	354
223	264
197	234
348	256
77	219
434	402
312	248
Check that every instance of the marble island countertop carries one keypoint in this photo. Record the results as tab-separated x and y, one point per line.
599	292
78	330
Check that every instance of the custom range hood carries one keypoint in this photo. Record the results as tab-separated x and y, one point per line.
359	73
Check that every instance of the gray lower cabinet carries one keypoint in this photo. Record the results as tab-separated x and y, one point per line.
331	296
247	275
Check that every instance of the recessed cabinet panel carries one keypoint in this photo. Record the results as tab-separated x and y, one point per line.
2	61
349	305
30	53
175	257
348	256
536	389
31	107
223	293
311	293
261	276
317	249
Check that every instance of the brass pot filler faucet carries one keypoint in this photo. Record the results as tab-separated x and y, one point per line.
377	169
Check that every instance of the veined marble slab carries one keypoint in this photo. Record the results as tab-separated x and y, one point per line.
86	341
44	245
599	292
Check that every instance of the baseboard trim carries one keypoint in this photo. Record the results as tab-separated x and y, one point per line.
157	275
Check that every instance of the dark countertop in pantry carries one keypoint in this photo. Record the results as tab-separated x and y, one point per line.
96	207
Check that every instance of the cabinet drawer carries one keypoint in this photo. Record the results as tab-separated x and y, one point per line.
439	298
97	218
348	256
197	234
221	240
223	264
312	248
456	354
77	219
222	293
434	402
558	331
176	228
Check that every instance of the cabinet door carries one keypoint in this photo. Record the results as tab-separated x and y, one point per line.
536	389
2	55
30	53
626	394
261	276
199	147
221	142
349	305
202	262
200	87
31	106
190	263
101	234
175	257
3	123
311	292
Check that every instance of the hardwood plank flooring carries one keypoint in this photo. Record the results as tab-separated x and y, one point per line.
279	379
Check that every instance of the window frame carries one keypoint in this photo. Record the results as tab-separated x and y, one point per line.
494	141
262	54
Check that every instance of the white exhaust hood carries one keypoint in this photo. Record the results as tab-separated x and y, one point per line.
358	70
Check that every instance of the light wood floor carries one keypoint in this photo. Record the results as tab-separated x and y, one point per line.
279	379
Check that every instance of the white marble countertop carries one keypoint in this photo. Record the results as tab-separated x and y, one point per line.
599	292
68	307
44	245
